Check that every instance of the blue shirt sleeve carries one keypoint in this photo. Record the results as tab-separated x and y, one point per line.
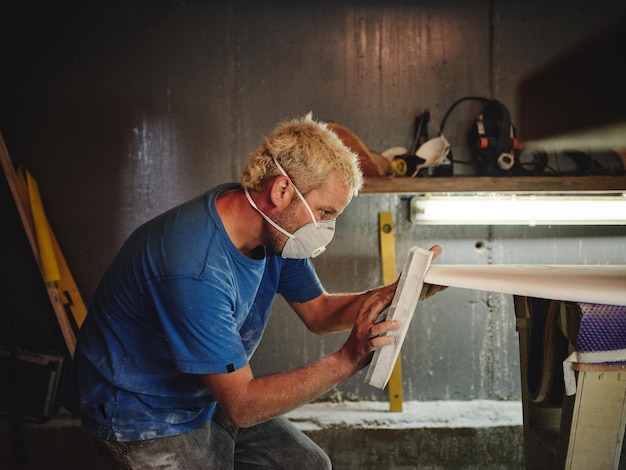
299	281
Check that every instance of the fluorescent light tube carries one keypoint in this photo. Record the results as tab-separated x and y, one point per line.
515	209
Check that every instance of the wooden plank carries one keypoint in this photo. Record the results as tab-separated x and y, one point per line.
602	367
20	196
472	184
542	424
598	423
402	308
19	190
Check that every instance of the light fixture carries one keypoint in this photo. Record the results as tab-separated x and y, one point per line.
519	209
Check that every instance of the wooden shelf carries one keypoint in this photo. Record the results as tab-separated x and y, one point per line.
575	101
471	184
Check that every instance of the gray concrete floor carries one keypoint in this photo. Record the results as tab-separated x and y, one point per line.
357	435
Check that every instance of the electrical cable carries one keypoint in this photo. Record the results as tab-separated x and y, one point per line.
482	99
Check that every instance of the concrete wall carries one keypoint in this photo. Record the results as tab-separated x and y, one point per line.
122	110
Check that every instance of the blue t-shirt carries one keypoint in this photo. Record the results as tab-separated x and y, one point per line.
179	300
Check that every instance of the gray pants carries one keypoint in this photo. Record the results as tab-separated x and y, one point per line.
219	444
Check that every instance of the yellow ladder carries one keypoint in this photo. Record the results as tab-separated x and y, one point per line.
65	298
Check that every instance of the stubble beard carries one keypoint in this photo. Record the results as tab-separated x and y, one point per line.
274	239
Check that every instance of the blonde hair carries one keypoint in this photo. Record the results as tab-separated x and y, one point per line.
308	151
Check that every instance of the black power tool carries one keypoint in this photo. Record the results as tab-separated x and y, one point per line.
495	139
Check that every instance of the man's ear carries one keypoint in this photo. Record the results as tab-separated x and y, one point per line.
281	192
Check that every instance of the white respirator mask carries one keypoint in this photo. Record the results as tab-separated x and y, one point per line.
309	240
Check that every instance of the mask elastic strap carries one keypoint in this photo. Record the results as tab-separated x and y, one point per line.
270	221
306	204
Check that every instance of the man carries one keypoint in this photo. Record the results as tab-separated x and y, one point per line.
161	376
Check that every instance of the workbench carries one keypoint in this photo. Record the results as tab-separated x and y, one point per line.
583	427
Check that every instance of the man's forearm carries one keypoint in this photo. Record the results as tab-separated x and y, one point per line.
273	395
329	313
